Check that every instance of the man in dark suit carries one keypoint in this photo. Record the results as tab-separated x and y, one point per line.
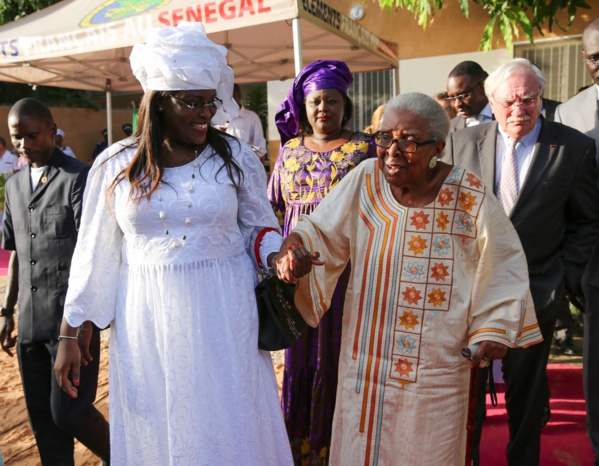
582	112
43	210
465	91
542	173
549	108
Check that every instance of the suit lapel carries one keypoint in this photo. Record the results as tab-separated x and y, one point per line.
486	154
542	158
588	108
25	182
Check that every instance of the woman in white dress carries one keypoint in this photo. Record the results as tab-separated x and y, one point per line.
166	257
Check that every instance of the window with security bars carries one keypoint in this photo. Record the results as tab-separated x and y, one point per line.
561	63
367	92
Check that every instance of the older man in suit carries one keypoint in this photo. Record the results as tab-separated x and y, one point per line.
43	210
582	112
542	173
465	92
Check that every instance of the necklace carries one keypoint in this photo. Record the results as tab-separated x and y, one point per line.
177	243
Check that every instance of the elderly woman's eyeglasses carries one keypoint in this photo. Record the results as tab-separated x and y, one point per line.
211	105
404	145
464	95
526	102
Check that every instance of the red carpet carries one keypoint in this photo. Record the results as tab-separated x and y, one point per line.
564	440
4	256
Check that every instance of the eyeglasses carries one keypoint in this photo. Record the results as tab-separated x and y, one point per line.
211	105
464	95
592	60
526	102
404	145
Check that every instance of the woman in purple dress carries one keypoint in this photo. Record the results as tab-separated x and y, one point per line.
317	151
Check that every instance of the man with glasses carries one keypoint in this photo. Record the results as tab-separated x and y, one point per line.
465	92
543	176
581	112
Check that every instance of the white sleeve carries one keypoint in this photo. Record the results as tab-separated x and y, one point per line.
255	212
94	278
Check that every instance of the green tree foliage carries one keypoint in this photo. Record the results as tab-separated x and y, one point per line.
12	10
504	16
256	101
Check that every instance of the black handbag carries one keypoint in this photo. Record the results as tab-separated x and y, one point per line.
280	323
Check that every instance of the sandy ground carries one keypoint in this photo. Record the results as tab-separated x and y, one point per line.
16	438
17	443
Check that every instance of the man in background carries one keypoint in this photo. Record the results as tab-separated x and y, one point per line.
59	143
441	98
581	112
8	161
101	145
465	91
247	126
127	129
9	164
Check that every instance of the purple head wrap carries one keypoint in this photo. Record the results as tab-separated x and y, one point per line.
322	74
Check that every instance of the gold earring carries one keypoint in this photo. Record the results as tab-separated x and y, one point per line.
432	163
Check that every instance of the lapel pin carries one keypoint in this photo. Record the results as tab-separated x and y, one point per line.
44	179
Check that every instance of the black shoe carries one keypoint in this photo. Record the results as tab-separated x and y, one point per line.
546	416
566	346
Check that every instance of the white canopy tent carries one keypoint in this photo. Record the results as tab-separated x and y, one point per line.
85	44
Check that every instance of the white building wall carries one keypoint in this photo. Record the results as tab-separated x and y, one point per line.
429	75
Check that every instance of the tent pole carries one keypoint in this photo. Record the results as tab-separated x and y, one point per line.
297	45
109	110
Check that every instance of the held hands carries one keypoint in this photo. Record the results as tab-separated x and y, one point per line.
488	351
293	260
6	338
68	359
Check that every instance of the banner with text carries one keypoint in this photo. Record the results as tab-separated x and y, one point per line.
328	18
69	28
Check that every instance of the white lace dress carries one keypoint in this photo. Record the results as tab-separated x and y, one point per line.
188	385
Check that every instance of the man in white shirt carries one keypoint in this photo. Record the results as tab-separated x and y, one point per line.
9	164
59	139
247	126
465	91
8	161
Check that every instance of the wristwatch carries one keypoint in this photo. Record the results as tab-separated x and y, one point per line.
6	312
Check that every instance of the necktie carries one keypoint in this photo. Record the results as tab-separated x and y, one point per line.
508	184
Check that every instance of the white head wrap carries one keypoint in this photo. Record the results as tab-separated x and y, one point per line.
59	132
183	58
